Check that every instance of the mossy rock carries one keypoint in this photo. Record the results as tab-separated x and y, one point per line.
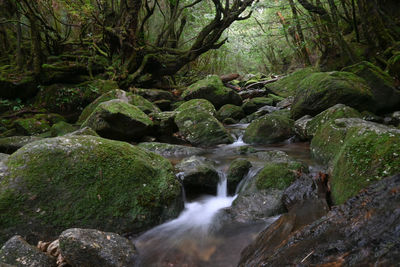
170	150
230	111
322	90
276	99
117	119
252	105
236	172
100	86
11	144
212	89
83	131
394	65
336	112
62	128
88	182
200	104
143	104
31	126
64	72
154	94
386	96
288	85
270	128
358	152
277	175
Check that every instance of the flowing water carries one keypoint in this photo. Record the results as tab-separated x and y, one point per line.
200	236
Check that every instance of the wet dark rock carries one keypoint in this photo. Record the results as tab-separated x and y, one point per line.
362	231
163	104
16	251
300	127
198	175
236	172
164	123
230	111
286	103
154	94
271	128
11	144
88	247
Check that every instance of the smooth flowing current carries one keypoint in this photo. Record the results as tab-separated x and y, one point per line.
201	235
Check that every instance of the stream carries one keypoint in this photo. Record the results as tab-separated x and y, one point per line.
200	236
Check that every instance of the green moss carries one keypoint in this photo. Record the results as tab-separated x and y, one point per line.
320	91
62	128
31	126
277	175
199	104
143	104
364	159
212	81
275	98
289	85
230	111
394	65
85	181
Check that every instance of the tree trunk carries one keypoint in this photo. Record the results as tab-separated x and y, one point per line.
19	57
36	47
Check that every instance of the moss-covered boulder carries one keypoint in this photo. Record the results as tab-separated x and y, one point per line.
84	181
252	105
11	144
358	153
288	85
136	100
83	131
154	94
164	123
32	126
394	65
386	96
116	119
270	128
230	111
336	112
212	89
277	175
322	90
198	176
62	128
197	124
236	172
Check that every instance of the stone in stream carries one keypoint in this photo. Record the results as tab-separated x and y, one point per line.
85	181
212	89
322	90
358	153
117	119
198	175
230	111
136	100
168	150
236	172
362	231
252	105
16	251
271	128
196	122
89	247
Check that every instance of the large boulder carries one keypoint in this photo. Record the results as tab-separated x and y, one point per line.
308	128
117	119
17	252
358	153
322	90
198	175
89	247
62	128
288	85
230	111
85	181
136	100
212	89
386	96
270	128
362	231
197	124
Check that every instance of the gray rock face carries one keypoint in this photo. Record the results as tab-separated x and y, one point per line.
16	251
300	127
168	150
88	247
198	175
362	231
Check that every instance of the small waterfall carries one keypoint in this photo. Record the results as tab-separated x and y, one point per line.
245	181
